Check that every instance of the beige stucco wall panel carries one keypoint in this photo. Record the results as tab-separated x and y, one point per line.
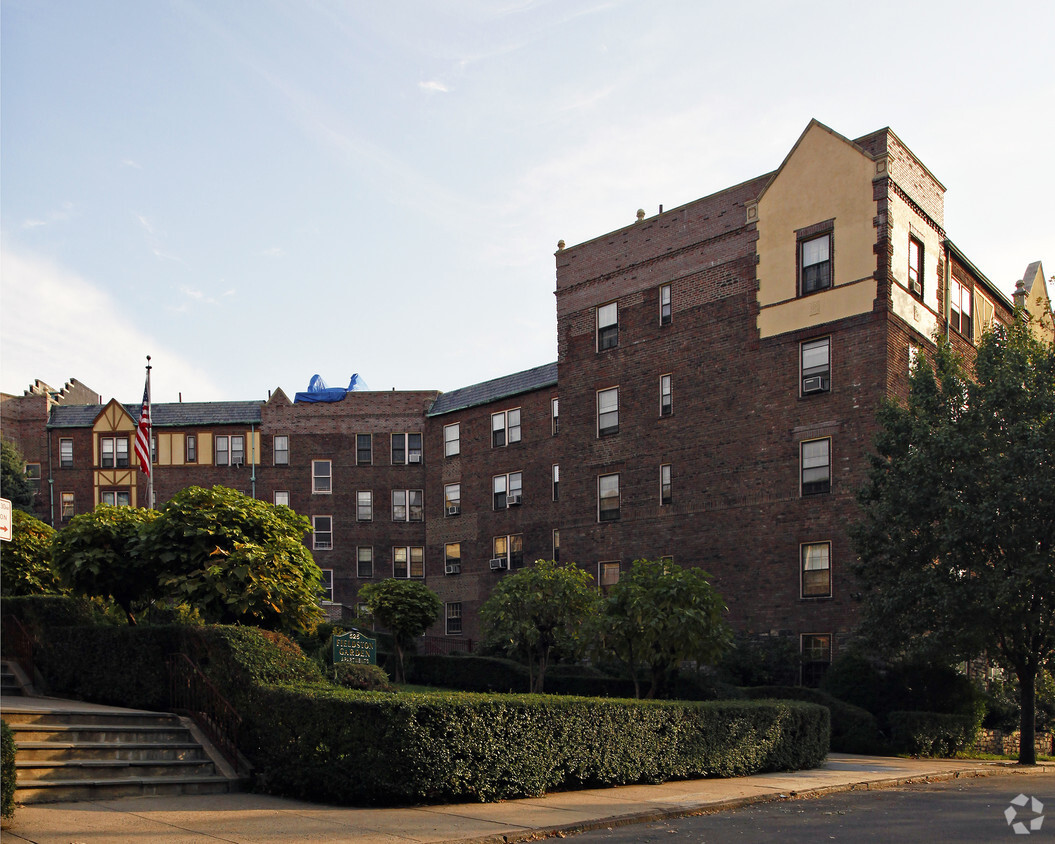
818	308
912	311
905	223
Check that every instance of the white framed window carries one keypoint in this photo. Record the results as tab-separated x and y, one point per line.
33	477
452	500
237	450
221	450
816	466
452	558
664	304
666	396
326	581
68	508
608	498
556	545
453	612
816	657
608	411
510	550
960	309
364	505
505	427
915	266
406	449
321	476
815	265
191	448
554	411
364	449
816	560
815	366
408	562
507	490
451	440
113	452
666	491
607	326
281	449
65	453
322	533
116	497
608	573
282	498
407	505
556	482
364	562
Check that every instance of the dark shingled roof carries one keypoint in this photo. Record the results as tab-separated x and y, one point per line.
178	415
499	388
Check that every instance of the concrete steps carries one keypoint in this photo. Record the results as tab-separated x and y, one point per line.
72	751
10	681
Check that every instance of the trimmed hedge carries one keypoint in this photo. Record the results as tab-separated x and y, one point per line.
40	613
932	733
8	773
354	748
854	730
468	673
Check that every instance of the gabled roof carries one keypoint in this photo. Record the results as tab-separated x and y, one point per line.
500	388
174	415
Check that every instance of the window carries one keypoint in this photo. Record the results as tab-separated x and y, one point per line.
364	566
554	409
452	558
408	562
607	326
237	450
664	304
116	498
451	440
121	444
406	448
454	618
510	549
192	448
815	264
816	467
326	582
607	574
608	498
666	398
154	450
505	428
68	510
556	545
915	267
321	476
221	454
665	490
66	453
281	450
817	570
816	657
364	449
364	506
407	505
33	477
815	366
113	452
452	499
362	611
281	498
960	308
608	411
322	533
556	482
507	490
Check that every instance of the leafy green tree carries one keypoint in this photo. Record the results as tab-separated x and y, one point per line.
540	609
99	554
25	568
957	538
235	559
406	608
658	615
13	483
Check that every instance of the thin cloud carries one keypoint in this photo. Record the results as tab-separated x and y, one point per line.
63	213
433	86
128	162
274	252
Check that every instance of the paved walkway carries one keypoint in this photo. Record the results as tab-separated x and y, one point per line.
260	819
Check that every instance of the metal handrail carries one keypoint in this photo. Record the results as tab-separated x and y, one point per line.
194	694
18	644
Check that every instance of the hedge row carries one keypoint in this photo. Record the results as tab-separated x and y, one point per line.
8	772
932	733
347	747
854	730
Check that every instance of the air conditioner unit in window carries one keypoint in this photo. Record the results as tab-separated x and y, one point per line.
454	510
814	384
512	500
498	563
452	568
237	464
916	287
414	457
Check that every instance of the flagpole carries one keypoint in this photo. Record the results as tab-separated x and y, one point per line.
150	447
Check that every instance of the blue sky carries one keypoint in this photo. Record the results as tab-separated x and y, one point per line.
253	192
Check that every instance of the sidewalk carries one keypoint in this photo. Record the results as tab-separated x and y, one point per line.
260	819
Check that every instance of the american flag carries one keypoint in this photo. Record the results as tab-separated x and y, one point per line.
143	431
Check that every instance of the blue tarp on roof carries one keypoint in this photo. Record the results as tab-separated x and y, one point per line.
318	391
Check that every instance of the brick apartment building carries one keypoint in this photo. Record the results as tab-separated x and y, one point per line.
719	368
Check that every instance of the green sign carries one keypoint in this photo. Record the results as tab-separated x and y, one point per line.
354	647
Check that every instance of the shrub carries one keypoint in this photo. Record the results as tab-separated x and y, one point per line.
854	730
369	678
345	747
468	673
8	773
932	733
40	613
760	661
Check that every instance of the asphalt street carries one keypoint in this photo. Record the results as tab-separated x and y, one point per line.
961	810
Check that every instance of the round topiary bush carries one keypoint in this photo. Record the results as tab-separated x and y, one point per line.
369	678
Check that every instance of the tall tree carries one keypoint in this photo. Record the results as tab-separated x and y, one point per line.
658	615
406	608
957	541
13	483
25	561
